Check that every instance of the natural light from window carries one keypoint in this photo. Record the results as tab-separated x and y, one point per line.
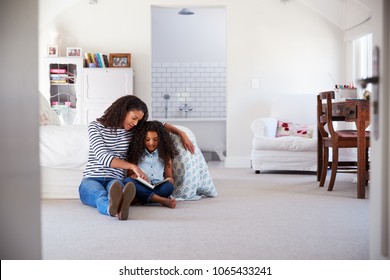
362	60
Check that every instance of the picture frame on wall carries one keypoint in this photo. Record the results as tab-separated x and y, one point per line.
120	60
73	52
52	50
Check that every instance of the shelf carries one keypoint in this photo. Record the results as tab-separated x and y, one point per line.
64	86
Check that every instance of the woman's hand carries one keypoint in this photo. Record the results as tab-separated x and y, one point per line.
187	142
137	172
183	136
130	167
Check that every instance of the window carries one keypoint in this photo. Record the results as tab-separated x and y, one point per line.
362	60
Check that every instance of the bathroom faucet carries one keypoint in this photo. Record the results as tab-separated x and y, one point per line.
186	108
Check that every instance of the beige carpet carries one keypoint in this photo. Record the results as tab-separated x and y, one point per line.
266	216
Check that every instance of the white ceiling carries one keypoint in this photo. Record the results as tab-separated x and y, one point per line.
344	13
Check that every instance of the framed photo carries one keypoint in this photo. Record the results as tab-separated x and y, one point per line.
73	52
120	60
52	50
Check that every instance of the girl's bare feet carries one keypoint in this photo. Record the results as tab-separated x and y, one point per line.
168	202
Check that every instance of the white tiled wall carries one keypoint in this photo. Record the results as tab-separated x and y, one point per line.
202	86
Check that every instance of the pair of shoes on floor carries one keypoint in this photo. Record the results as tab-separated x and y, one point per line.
119	201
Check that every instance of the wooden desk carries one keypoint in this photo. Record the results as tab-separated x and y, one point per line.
357	111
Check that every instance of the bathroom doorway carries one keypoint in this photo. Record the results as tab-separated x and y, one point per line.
188	62
189	73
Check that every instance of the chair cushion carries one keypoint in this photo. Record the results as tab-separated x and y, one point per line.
350	133
287	143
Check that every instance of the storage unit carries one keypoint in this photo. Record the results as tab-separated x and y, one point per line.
63	78
101	87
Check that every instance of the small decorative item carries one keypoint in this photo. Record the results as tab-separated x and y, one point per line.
52	50
344	92
366	95
73	52
120	60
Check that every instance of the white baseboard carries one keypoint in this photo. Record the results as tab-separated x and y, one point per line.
237	162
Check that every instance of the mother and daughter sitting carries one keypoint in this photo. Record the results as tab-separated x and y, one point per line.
123	146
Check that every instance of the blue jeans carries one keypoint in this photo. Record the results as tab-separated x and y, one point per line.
144	194
94	192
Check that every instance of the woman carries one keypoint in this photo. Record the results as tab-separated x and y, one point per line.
109	136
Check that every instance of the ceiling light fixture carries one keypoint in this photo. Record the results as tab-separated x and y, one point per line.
284	1
185	12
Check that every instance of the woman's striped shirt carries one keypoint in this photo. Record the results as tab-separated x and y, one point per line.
105	144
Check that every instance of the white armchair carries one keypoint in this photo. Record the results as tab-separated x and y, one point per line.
291	146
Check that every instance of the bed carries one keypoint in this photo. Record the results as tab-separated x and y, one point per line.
64	154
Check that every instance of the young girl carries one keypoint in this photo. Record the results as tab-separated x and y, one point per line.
152	150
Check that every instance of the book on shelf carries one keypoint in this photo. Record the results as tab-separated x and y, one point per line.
99	59
60	73
93	59
58	78
58	70
58	82
87	58
105	59
150	185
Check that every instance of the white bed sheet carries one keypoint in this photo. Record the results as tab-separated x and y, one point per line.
60	183
64	146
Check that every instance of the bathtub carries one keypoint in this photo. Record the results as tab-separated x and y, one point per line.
210	133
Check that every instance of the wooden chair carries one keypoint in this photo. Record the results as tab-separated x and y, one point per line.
334	139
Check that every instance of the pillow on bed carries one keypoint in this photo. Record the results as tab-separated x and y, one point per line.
291	129
283	129
190	172
47	116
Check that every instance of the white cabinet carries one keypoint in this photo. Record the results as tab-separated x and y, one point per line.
101	87
62	79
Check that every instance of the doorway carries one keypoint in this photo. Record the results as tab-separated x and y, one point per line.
188	62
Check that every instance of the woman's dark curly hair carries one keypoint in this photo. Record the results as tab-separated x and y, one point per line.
165	147
114	116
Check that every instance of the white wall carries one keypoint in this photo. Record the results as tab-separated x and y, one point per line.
199	37
290	48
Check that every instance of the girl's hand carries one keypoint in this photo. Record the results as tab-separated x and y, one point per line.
170	179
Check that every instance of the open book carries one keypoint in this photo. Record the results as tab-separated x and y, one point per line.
150	185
